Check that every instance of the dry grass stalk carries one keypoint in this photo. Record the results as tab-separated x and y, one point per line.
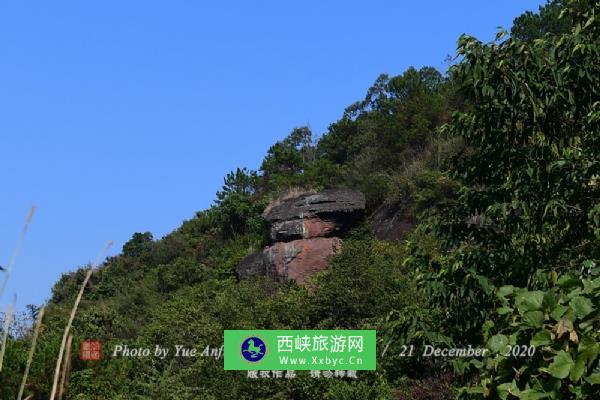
66	367
36	332
70	322
5	329
17	250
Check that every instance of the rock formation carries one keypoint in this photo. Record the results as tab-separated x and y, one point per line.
306	231
314	214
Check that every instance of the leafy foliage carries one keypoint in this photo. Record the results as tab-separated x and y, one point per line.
497	161
561	326
525	215
531	26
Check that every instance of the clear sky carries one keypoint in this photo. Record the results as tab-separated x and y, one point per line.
124	116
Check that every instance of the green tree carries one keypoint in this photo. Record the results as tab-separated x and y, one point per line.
138	243
528	213
530	26
241	182
397	114
289	156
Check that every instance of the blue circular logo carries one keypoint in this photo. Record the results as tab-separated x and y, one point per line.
253	349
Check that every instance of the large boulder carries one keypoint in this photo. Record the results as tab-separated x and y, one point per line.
306	231
312	215
297	260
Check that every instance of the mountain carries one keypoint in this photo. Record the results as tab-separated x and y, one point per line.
465	212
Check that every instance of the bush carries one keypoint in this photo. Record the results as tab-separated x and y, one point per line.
562	326
363	283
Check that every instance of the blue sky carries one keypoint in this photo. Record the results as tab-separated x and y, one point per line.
123	116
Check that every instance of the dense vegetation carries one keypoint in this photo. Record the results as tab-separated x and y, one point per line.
497	160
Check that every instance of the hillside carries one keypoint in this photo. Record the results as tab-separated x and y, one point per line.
481	226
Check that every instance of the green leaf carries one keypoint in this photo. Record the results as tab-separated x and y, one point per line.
558	312
578	368
594	378
485	284
532	394
581	306
534	319
549	301
437	337
504	310
561	366
568	280
529	301
574	293
542	338
497	343
505	291
505	389
589	348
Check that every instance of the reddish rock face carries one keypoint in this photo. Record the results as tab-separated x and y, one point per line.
316	227
300	259
305	232
304	228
